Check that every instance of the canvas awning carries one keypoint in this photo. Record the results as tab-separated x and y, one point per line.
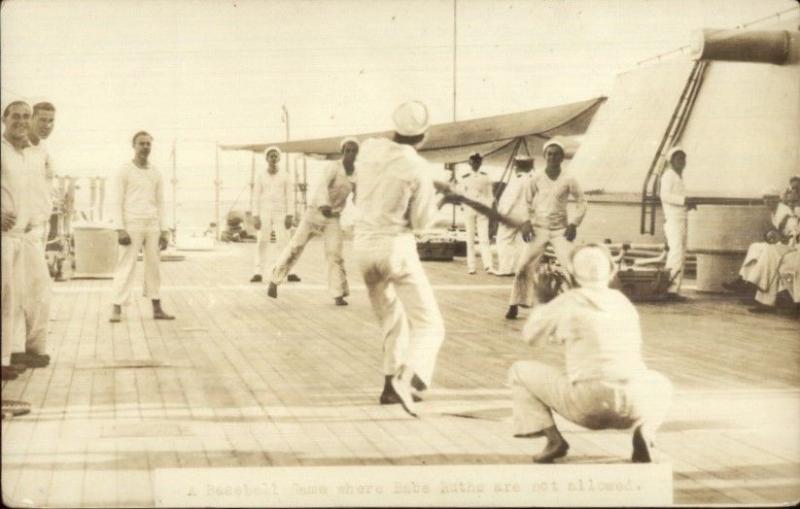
453	142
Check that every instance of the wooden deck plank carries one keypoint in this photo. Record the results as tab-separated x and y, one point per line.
239	379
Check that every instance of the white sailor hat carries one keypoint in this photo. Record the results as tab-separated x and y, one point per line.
591	265
411	119
273	148
771	191
346	140
674	150
553	142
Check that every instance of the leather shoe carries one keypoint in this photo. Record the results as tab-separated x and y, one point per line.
14	408
161	315
32	360
511	314
293	278
256	279
7	373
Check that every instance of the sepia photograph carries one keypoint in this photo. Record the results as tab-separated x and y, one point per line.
400	253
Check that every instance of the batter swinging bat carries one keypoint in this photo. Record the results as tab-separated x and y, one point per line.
451	196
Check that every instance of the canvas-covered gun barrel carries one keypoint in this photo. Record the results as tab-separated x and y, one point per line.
764	46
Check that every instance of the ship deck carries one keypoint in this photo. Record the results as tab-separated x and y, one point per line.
241	380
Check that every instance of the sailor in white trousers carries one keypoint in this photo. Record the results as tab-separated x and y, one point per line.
16	208
477	185
273	201
673	202
396	197
38	285
138	215
322	219
512	204
546	196
606	384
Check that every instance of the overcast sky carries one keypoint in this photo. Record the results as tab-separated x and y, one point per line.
207	71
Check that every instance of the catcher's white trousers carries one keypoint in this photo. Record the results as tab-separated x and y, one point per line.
675	232
312	225
144	235
538	389
528	262
270	221
404	303
477	224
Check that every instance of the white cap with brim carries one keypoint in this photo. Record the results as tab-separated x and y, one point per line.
411	119
272	149
553	143
673	151
347	140
771	191
592	266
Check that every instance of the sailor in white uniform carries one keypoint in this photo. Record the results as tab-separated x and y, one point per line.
546	196
16	224
138	215
322	219
606	384
673	202
38	285
512	204
396	197
477	185
273	202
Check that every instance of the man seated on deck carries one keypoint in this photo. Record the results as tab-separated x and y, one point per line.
322	218
606	384
772	266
